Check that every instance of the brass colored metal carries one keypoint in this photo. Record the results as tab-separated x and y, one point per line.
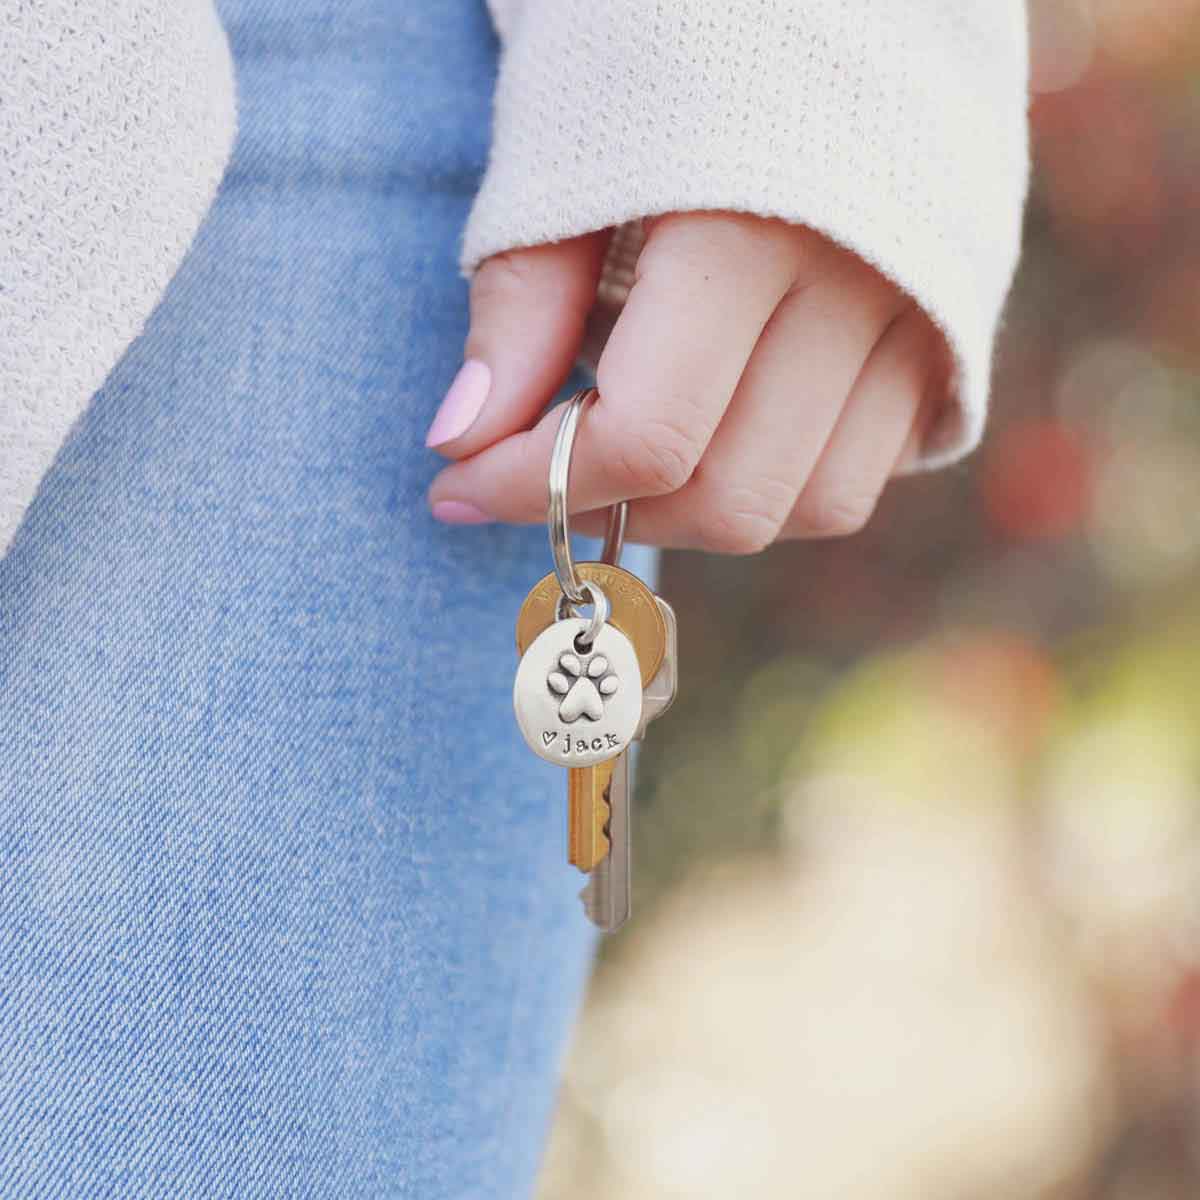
587	815
634	612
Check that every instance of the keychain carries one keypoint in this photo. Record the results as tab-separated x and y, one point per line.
587	686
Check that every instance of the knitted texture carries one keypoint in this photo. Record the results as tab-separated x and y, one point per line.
895	127
116	121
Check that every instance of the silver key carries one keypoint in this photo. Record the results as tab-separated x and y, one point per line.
607	896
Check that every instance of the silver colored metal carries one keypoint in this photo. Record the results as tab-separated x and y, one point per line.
556	512
614	534
578	703
601	609
661	690
608	895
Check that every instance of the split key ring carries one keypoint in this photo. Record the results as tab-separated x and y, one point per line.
575	590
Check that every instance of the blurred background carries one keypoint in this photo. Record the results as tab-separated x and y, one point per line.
918	852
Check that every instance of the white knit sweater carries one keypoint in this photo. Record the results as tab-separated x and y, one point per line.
116	122
896	127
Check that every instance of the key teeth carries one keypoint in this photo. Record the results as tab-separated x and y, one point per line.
592	897
606	925
589	816
587	897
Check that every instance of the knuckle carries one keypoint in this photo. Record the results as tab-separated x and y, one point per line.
654	459
745	519
501	276
835	514
727	532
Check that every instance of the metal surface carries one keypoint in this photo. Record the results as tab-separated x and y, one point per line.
608	895
594	595
557	523
587	815
634	611
589	804
614	534
599	711
660	694
586	688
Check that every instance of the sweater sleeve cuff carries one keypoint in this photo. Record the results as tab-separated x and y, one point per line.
897	129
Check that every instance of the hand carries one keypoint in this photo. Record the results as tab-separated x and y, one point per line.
760	383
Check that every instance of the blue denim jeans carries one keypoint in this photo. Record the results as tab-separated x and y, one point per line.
284	909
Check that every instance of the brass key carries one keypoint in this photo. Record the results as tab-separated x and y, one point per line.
588	814
636	613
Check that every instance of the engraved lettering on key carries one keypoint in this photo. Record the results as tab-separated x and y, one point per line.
634	612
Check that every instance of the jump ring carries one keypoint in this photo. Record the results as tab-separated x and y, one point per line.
593	595
556	513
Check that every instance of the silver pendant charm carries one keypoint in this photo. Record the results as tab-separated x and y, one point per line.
578	704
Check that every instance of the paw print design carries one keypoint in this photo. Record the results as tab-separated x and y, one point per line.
584	682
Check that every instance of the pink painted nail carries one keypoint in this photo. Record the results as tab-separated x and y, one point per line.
462	403
459	512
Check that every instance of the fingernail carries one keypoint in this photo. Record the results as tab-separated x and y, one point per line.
462	403
459	512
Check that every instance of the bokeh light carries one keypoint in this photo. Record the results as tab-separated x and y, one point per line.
918	849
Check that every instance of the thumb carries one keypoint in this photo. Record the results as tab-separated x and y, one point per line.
528	309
